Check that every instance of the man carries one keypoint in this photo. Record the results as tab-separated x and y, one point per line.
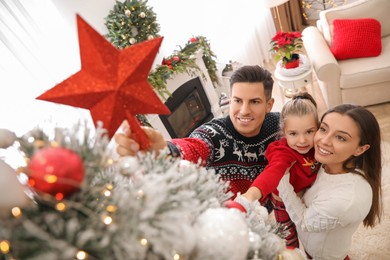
234	145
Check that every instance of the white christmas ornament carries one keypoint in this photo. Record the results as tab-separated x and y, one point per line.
221	234
7	138
134	31
129	165
292	254
184	165
11	190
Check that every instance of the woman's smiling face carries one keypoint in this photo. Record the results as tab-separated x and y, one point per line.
336	140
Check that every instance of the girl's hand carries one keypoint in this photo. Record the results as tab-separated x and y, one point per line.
253	194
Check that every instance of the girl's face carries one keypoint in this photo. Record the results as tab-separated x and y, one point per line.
299	132
337	140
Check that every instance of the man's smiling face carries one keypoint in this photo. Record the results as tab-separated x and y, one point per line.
248	107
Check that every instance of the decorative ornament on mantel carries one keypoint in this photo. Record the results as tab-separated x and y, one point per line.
133	21
112	83
286	47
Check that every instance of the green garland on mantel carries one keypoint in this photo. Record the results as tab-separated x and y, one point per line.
184	61
132	21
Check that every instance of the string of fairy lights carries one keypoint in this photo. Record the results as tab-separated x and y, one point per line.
62	206
110	204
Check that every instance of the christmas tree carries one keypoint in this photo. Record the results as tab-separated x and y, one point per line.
142	207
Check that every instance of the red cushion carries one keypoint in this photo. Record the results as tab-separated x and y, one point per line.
356	38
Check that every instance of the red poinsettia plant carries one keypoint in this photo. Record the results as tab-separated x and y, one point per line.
286	46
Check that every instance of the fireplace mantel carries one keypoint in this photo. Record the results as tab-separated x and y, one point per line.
179	80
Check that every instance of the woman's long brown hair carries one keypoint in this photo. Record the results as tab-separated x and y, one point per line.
370	162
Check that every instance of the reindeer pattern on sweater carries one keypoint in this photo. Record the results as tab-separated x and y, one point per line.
232	155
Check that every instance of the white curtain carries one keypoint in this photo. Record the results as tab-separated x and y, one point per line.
39	47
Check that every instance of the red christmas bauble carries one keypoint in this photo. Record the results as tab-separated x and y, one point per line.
231	204
56	171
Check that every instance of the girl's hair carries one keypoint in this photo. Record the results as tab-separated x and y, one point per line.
370	162
254	74
300	105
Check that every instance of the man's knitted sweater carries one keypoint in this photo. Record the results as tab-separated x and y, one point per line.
234	157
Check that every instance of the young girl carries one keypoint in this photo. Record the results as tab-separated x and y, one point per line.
298	122
347	190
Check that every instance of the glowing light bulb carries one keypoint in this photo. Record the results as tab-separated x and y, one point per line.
110	161
54	144
59	196
4	246
81	255
140	193
60	206
143	241
107	220
16	212
111	208
49	178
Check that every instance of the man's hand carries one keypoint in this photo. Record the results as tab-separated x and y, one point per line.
128	146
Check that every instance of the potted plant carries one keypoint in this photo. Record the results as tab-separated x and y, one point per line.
286	46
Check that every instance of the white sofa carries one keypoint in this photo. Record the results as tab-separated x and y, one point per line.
362	81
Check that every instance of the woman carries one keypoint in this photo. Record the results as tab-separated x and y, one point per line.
347	189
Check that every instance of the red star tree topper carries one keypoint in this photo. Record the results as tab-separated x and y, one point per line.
112	83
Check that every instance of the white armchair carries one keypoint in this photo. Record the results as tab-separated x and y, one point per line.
362	81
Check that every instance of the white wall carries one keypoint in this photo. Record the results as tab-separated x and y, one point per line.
39	49
235	31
